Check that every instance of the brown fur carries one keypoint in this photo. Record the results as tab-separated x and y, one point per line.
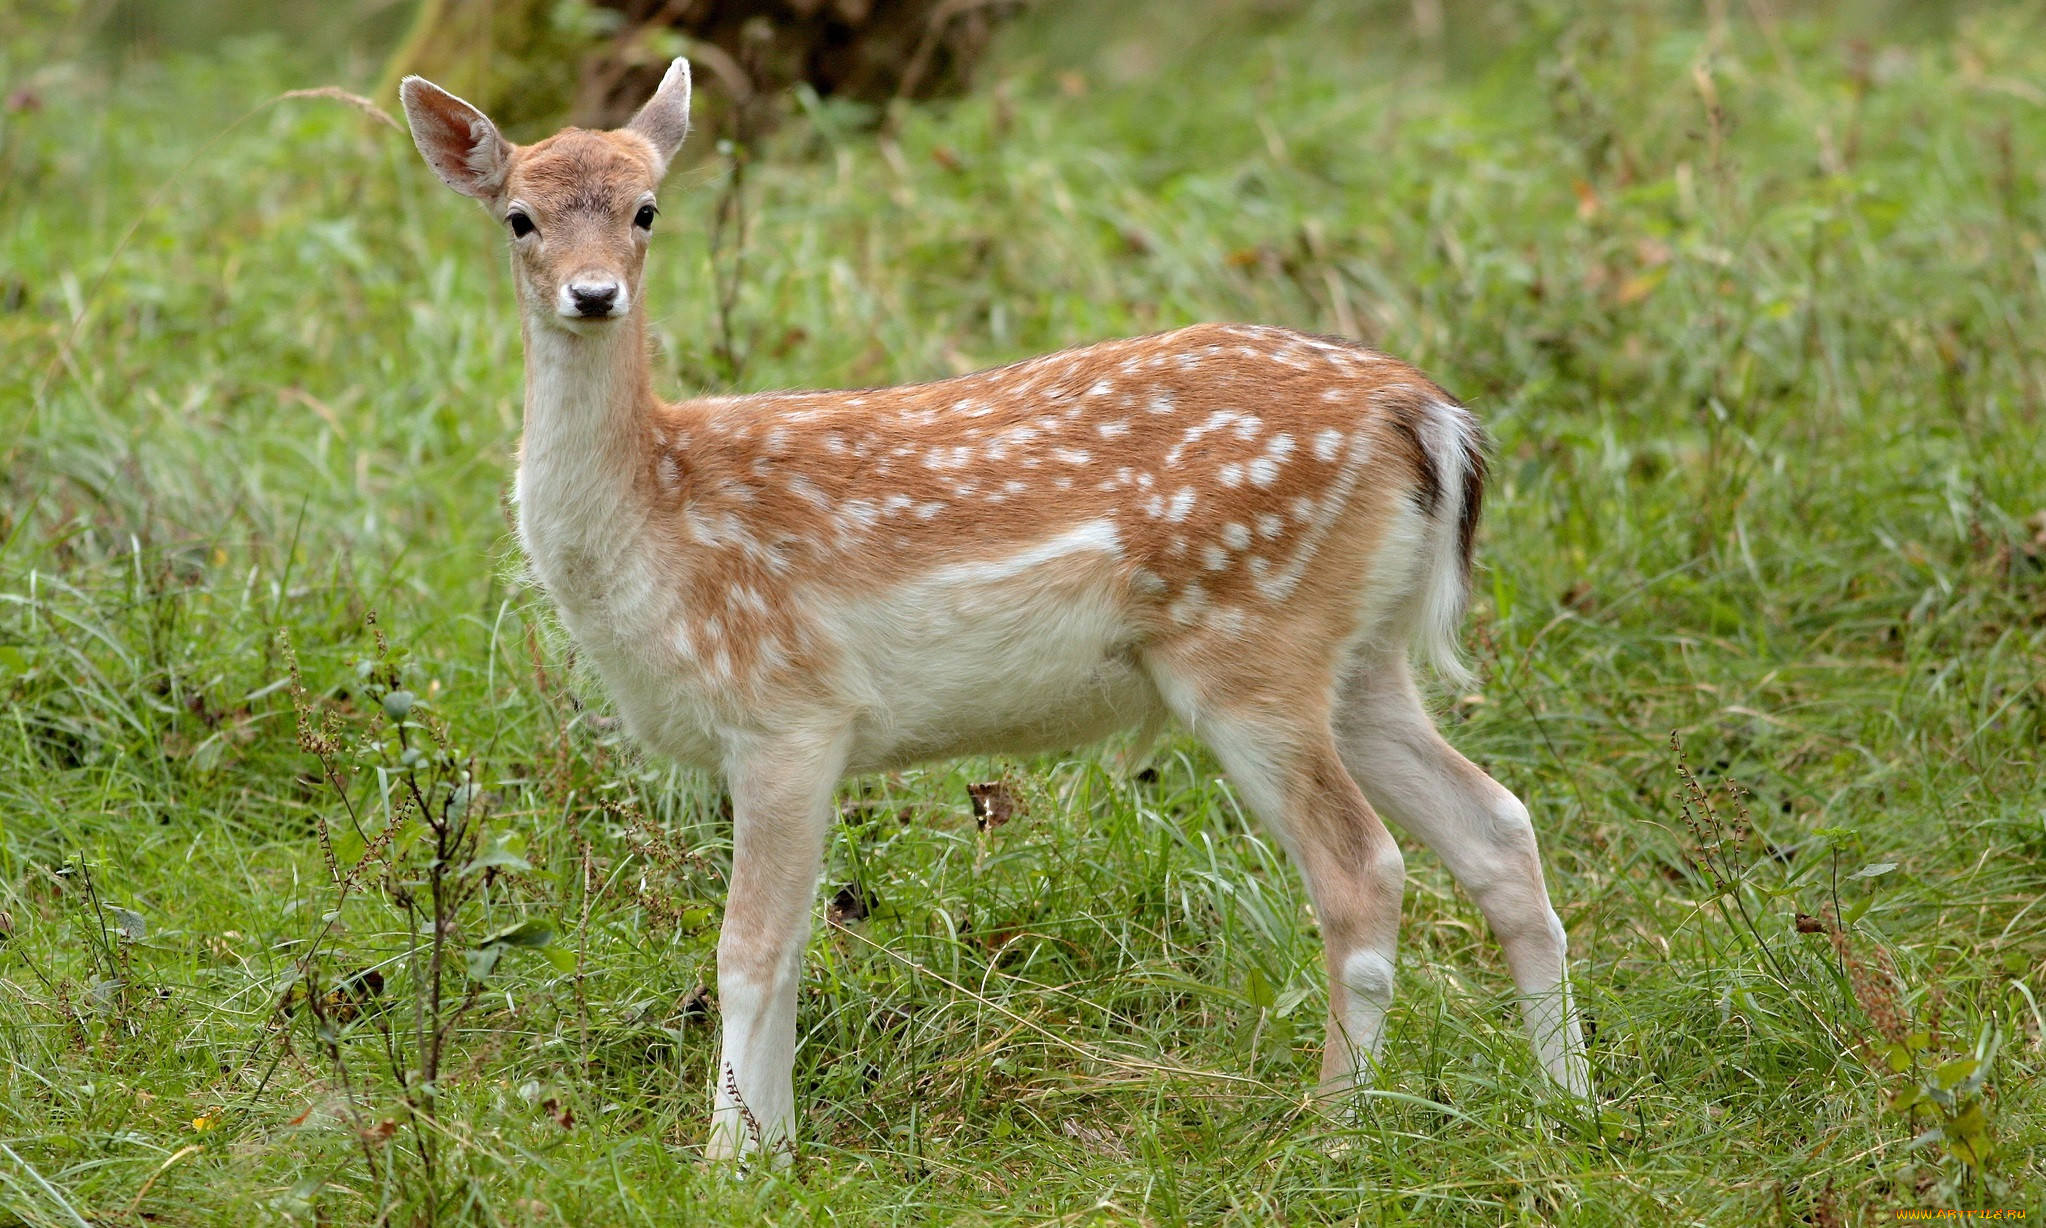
784	495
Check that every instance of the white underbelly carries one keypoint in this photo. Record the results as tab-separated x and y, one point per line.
1032	653
1057	714
1029	654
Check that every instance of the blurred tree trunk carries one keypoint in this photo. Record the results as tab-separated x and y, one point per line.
516	59
531	63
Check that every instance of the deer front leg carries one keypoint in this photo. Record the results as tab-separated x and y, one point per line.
781	812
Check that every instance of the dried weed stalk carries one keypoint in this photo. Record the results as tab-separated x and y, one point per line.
1948	1096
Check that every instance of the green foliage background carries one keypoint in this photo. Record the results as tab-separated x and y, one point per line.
1752	298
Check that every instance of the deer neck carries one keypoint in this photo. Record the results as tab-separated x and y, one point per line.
588	437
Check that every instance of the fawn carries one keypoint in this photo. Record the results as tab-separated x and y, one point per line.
1244	529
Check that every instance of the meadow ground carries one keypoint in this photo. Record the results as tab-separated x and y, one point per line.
1752	299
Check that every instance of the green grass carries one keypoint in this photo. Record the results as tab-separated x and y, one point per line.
1765	380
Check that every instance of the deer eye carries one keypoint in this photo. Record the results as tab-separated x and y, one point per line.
521	225
644	219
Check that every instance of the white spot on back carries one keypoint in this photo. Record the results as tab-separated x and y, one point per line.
800	487
1226	619
948	458
1247	427
857	515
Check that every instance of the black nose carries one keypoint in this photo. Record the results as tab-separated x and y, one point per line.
593	300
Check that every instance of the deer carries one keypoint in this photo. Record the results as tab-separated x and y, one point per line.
1253	532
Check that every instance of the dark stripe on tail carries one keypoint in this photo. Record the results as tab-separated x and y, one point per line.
1405	415
1473	500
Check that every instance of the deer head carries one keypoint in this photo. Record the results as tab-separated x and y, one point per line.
578	206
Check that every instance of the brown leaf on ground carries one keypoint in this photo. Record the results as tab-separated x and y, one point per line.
1826	1212
695	1004
994	803
852	903
1588	204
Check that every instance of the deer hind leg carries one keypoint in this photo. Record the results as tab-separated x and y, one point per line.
1482	833
1285	766
781	814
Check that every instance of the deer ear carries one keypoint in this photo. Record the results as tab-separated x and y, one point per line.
664	120
458	141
